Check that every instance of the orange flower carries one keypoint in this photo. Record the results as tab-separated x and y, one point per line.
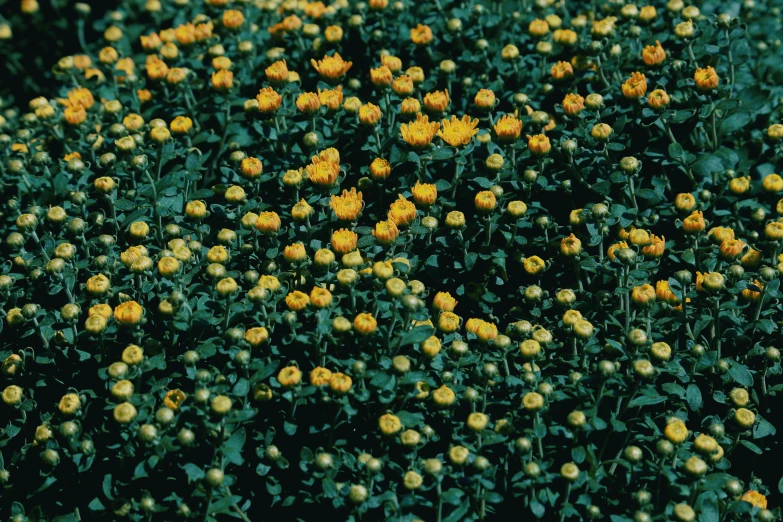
348	205
444	302
694	223
403	85
419	134
402	212
653	54
380	169
508	128
424	194
570	246
365	323
268	223
573	104
129	313
436	101
308	102
539	145
331	98
173	399
386	232
655	248
458	132
731	248
755	499
421	35
369	114
277	73
658	99
664	293
562	71
485	99
635	87
706	79
752	295
381	77
611	252
344	241
222	80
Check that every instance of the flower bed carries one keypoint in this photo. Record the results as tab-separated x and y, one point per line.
408	261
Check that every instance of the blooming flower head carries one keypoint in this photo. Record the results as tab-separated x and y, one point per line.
402	212
331	67
658	99
458	132
323	172
635	86
539	145
419	133
508	128
424	194
344	241
706	79
332	99
277	73
436	101
386	232
653	54
348	205
573	104
421	35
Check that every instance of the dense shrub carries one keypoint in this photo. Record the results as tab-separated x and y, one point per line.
441	261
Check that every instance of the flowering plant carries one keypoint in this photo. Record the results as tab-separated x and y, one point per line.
444	261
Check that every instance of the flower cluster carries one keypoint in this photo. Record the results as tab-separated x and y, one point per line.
395	261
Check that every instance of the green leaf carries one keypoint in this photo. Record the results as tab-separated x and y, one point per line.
706	165
763	428
734	122
741	374
195	473
417	335
694	397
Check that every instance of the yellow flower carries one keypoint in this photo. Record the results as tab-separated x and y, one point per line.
297	300
332	99
129	313
174	399
676	431
323	172
331	67
573	104
365	323
706	79
277	73
347	206
268	222
653	54
539	145
421	35
458	132
386	232
402	85
538	27
289	376
755	499
402	212
508	128
344	241
635	86
534	265
424	194
268	100
308	102
419	134
436	101
369	114
381	77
